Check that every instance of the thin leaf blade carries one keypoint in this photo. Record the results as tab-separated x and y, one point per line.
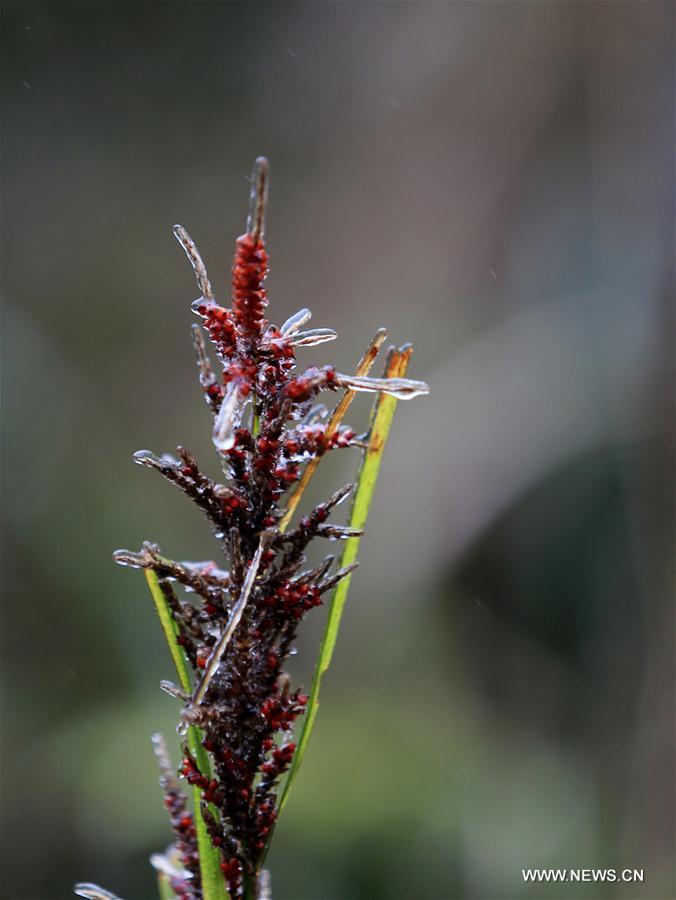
213	882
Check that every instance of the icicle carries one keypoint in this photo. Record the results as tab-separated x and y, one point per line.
338	532
132	560
147	458
147	557
93	892
206	373
195	261
401	388
313	337
296	321
227	420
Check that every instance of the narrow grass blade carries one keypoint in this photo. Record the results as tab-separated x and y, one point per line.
213	882
169	629
381	420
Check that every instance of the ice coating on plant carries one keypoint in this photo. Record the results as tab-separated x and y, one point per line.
94	892
161	862
227	419
236	624
296	321
401	388
313	337
258	199
195	261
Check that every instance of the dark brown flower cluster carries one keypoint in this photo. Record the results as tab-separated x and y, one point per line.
237	627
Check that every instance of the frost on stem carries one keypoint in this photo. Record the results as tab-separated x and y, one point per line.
255	225
195	260
237	624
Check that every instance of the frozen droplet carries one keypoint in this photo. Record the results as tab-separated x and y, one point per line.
146	557
401	388
296	321
147	458
338	532
129	559
170	688
312	337
182	728
227	420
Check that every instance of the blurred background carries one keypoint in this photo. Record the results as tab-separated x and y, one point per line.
492	181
